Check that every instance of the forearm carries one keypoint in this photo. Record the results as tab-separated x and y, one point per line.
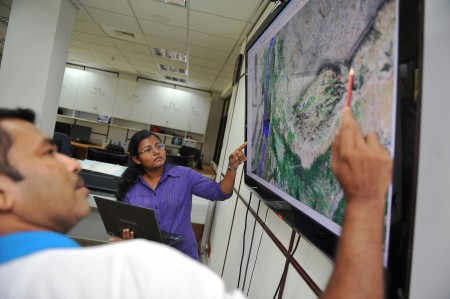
358	269
227	184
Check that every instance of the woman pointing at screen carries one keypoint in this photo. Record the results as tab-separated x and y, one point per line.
167	189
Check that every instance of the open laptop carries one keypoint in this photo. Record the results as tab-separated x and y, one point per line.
117	216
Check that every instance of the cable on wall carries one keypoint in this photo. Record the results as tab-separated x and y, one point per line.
286	267
251	245
257	251
243	240
308	280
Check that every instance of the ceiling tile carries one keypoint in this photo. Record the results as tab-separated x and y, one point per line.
138	63
77	44
82	51
104	49
228	68
160	12
208	53
162	30
157	42
194	60
117	6
215	25
82	14
118	21
204	70
119	60
92	58
87	27
92	38
201	76
226	75
138	48
235	9
211	41
143	57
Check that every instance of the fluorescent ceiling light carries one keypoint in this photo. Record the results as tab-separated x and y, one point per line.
175	79
173	69
169	54
176	2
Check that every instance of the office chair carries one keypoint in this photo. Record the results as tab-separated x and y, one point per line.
62	141
107	156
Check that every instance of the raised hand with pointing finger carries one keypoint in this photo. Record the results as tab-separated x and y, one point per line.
236	158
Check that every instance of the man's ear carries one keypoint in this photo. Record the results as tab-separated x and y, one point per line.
136	160
6	201
6	194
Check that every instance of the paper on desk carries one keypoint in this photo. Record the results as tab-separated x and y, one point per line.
102	167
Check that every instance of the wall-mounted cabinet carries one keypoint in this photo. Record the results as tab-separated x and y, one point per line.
96	93
134	100
171	109
199	113
134	104
69	88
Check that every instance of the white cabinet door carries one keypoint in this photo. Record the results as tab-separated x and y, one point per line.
199	113
179	115
162	97
143	106
106	93
96	93
85	99
126	94
69	88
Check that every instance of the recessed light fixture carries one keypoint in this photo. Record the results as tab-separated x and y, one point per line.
175	79
173	69
176	2
169	54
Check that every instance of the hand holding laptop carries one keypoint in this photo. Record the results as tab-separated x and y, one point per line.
126	235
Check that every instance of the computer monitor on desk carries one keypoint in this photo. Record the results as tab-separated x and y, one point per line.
187	151
107	156
80	134
63	127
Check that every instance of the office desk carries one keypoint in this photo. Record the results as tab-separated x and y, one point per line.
80	150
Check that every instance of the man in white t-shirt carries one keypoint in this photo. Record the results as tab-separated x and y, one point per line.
42	197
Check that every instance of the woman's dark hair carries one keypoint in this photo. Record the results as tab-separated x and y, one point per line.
134	170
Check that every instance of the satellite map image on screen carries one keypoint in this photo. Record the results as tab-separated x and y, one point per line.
300	85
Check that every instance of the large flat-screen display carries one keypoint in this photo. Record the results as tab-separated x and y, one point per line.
297	76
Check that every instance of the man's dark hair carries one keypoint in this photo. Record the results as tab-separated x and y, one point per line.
6	140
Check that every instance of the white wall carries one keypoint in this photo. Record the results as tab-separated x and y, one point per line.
431	264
